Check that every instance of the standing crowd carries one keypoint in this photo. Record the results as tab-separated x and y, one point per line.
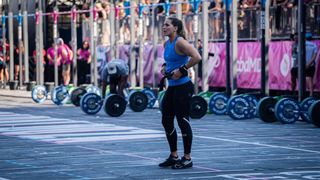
64	59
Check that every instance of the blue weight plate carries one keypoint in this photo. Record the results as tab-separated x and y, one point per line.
304	106
39	94
218	103
151	97
91	103
93	89
314	112
60	95
114	105
253	102
265	109
287	111
238	107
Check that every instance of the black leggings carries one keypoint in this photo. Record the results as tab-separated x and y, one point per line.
176	103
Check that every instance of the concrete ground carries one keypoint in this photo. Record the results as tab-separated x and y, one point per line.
45	141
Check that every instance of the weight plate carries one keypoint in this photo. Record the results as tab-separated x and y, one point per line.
265	109
238	107
287	111
218	103
160	98
206	95
314	112
91	103
198	107
93	89
39	94
70	90
76	95
59	95
151	97
114	105
138	101
304	107
253	102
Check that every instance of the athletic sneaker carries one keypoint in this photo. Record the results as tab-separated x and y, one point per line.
183	163
170	161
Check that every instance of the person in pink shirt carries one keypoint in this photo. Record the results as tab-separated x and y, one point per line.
50	57
84	60
66	55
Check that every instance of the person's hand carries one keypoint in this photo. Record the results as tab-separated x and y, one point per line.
176	74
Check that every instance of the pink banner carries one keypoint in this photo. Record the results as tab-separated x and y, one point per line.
148	60
249	65
280	63
216	65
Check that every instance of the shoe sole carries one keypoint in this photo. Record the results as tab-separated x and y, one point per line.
183	167
168	165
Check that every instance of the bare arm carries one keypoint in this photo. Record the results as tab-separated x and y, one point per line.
49	57
183	47
71	54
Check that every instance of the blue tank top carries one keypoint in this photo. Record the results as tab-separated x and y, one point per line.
174	61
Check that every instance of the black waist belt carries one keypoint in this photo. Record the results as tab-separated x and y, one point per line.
168	75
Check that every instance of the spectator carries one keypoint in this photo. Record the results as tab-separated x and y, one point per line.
4	58
84	60
105	32
311	54
187	11
85	15
16	62
2	67
66	56
214	18
280	6
147	14
100	11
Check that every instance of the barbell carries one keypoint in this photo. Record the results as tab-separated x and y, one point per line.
114	105
59	94
286	110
